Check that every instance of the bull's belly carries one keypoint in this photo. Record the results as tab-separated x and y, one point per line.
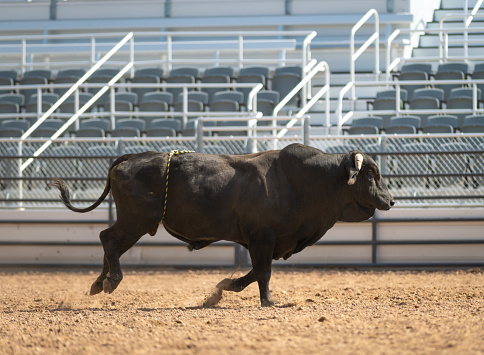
198	238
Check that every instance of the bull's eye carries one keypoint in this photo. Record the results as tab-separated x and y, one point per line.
370	175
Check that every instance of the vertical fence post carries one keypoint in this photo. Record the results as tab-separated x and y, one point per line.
306	129
199	134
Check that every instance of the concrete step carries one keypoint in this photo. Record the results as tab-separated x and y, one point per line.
456	4
426	52
455	40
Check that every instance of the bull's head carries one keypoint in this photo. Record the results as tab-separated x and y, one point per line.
369	191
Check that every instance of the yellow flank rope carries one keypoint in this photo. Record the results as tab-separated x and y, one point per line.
172	153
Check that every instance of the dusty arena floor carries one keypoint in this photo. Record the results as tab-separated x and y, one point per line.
158	311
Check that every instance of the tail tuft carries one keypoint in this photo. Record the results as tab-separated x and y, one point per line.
63	188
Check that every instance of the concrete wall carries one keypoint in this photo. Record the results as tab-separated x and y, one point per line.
72	231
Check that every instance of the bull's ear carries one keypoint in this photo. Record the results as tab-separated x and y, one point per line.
353	176
354	169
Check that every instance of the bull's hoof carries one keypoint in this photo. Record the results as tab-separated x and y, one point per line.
214	298
109	285
225	284
96	287
267	303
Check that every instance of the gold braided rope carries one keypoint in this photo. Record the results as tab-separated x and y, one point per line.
172	153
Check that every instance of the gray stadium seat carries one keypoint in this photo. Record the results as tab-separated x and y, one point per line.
20	124
363	130
157	96
30	81
6	82
413	67
250	79
152	71
124	96
161	132
437	128
194	96
90	132
229	95
51	98
9	107
429	92
368	121
10	74
19	99
11	132
214	79
68	80
442	120
460	103
453	66
255	70
224	106
449	75
125	132
120	106
135	123
191	71
102	123
414	75
71	72
192	106
283	83
386	103
425	103
229	71
392	93
145	79
179	79
401	129
464	92
99	79
413	121
165	123
38	73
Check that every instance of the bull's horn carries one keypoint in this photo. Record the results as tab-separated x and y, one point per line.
358	161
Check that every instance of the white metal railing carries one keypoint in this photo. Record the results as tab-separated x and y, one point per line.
167	44
444	37
344	117
325	90
444	41
393	64
251	104
69	92
374	38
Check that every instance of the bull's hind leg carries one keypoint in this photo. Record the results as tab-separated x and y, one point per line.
116	241
97	286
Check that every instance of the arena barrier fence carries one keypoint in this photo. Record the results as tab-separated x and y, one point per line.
422	171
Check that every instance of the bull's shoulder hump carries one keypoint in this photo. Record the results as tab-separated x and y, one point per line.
300	151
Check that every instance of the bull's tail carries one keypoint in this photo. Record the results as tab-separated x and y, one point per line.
65	195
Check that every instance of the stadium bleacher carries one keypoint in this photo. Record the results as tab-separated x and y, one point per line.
168	94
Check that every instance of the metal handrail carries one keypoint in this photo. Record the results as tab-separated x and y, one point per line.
170	43
325	90
375	37
467	22
69	92
443	39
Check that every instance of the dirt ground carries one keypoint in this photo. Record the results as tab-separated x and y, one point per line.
321	311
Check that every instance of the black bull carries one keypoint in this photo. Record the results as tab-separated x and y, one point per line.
273	203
